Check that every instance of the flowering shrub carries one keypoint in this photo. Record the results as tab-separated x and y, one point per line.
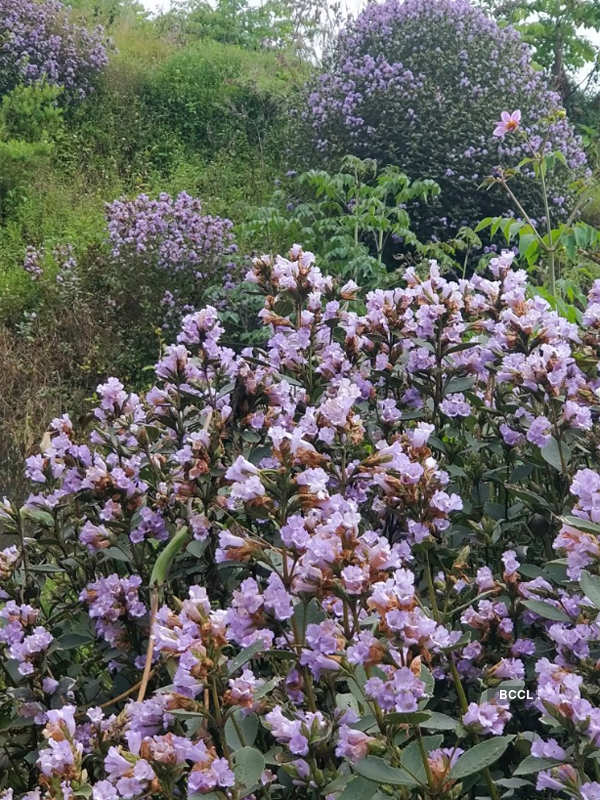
319	568
38	41
165	258
418	83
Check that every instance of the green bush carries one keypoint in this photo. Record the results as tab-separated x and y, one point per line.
218	96
30	121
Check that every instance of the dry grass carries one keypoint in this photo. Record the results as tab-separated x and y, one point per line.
51	372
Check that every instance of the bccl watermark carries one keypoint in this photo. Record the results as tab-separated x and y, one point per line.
514	694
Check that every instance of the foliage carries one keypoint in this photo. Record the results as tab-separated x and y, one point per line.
300	26
32	112
417	84
559	32
215	97
342	545
165	252
30	122
159	259
38	41
356	219
113	144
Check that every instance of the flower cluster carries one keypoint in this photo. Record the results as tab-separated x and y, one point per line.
177	249
25	641
38	41
403	66
299	568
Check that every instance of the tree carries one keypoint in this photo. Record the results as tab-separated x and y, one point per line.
305	26
558	31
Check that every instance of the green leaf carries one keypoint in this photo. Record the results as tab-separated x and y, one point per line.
479	757
249	765
116	554
247	727
532	764
307	614
533	499
376	769
196	547
245	656
455	385
525	241
358	789
408	718
412	760
591	586
428	679
183	713
208	796
70	641
546	611
551	454
37	515
440	722
512	783
584	525
485	223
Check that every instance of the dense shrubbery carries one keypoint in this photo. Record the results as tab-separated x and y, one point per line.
30	122
314	558
118	141
38	41
159	259
218	97
363	530
417	83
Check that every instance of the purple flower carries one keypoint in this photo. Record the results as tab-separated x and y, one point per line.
547	749
539	432
40	42
352	744
590	790
487	717
510	436
400	693
402	64
455	405
104	790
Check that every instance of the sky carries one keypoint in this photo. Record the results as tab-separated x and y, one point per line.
352	6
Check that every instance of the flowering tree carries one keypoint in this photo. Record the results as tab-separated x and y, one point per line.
39	42
417	84
319	569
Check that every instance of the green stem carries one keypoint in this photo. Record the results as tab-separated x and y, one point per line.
424	759
431	588
462	699
549	229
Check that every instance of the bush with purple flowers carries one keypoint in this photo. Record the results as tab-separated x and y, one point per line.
321	568
38	42
417	83
167	258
